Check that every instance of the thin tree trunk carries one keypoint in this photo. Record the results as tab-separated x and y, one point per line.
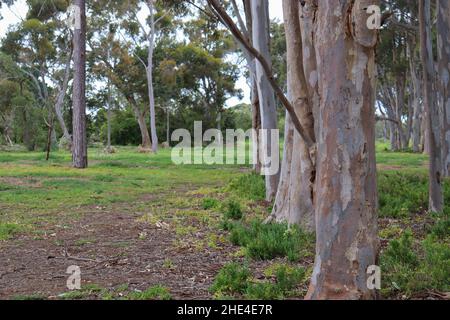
433	115
145	136
346	191
294	201
151	94
79	150
417	107
261	38
443	27
60	101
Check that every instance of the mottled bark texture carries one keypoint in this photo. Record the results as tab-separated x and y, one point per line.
443	28
261	38
294	202
346	191
434	127
151	94
60	101
79	148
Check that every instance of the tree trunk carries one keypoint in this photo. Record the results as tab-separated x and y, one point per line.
346	191
151	94
145	136
256	111
261	38
79	150
60	101
443	27
294	201
416	105
433	115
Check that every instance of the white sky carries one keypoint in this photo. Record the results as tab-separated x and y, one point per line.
19	9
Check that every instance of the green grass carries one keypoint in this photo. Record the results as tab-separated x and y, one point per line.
7	230
153	293
267	241
235	280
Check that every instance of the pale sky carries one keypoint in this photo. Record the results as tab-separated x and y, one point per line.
19	9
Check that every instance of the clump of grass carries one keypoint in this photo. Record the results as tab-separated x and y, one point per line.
233	210
250	186
209	203
85	292
235	279
402	193
410	268
268	241
153	293
7	230
441	229
232	278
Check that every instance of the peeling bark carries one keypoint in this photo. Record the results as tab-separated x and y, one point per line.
294	201
346	193
261	38
443	27
433	115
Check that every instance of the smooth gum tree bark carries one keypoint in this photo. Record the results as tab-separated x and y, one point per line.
346	190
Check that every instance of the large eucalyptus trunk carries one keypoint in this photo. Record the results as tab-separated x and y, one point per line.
294	201
261	38
443	27
346	191
79	149
433	115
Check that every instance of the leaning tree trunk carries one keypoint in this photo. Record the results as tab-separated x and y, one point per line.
346	191
261	38
433	115
294	201
443	27
79	150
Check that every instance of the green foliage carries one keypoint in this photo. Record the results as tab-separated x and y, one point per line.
402	193
250	186
441	228
411	269
7	230
232	278
235	279
268	241
209	203
232	210
153	293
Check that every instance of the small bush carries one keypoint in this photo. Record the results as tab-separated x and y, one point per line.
401	194
209	203
404	271
231	279
235	279
233	210
249	186
153	293
441	228
268	241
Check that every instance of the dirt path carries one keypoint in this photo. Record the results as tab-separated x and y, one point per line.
112	249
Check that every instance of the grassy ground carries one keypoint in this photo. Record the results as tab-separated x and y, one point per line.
140	227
